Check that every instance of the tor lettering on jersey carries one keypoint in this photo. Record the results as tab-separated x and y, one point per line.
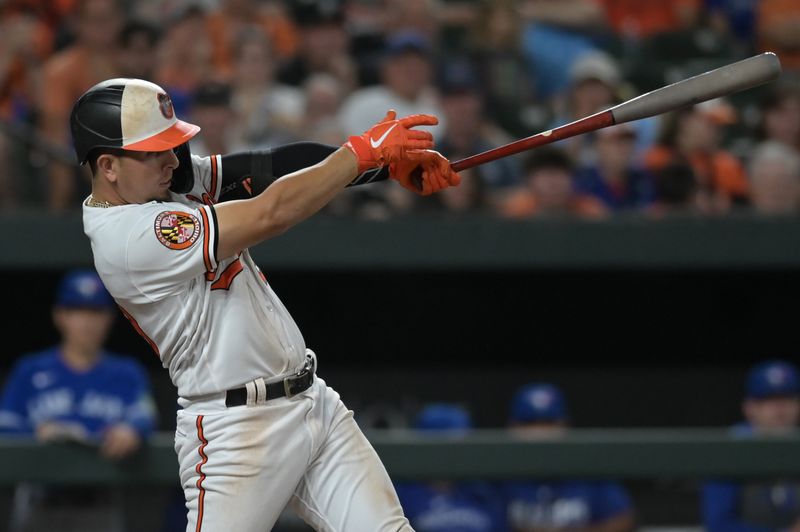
177	230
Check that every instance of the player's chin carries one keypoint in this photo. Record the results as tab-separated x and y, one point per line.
162	194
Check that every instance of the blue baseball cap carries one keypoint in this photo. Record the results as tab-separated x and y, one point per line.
538	402
443	416
83	289
772	378
407	42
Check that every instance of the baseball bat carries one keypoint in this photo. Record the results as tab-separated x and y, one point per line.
727	79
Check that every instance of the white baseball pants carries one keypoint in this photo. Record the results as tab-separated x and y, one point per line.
240	466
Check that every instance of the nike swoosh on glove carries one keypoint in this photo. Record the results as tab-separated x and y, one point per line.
388	140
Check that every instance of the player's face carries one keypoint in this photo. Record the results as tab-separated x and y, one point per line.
84	329
146	176
777	414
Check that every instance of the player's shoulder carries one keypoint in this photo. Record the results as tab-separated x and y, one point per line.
37	361
131	217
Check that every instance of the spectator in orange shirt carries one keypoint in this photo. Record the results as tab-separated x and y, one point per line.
779	31
185	57
638	19
25	42
549	189
235	16
323	45
67	75
693	135
138	44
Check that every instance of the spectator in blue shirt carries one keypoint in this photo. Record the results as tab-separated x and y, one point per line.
771	406
76	391
614	177
539	411
443	506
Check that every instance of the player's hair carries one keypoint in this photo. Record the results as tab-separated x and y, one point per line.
548	157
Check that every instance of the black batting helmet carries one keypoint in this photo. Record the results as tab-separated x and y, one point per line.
131	114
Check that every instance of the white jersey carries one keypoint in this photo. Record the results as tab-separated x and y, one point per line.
214	321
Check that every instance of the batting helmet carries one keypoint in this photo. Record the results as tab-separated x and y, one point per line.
131	114
443	416
538	402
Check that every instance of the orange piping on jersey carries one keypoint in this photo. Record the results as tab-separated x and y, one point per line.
206	199
213	190
206	241
140	331
227	277
203	459
263	277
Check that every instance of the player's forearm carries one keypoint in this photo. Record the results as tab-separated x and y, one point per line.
296	196
288	201
247	174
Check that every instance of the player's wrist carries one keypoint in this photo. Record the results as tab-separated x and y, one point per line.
364	154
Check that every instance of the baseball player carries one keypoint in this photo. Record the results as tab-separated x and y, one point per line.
444	506
771	406
76	391
539	410
257	429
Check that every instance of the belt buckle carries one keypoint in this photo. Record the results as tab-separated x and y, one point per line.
288	381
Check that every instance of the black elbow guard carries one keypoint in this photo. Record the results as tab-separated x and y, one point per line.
247	174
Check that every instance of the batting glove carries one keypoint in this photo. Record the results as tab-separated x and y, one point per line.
424	172
388	140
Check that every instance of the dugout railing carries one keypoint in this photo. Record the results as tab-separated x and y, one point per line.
484	454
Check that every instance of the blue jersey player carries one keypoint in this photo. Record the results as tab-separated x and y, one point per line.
442	506
771	406
539	410
76	390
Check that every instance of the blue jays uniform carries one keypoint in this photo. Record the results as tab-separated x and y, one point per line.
556	504
564	504
461	507
450	506
43	388
759	505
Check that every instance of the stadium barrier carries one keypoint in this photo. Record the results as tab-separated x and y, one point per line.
484	454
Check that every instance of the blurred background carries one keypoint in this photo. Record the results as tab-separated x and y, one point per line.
641	276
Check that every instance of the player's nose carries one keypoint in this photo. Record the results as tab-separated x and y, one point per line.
171	160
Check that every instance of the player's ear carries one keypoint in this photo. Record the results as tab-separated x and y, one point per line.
107	165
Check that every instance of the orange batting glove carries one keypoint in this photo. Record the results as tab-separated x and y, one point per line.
424	172
388	140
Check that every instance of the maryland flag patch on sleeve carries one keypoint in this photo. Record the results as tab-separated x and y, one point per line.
176	229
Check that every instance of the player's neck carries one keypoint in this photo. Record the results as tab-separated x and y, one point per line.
105	196
79	359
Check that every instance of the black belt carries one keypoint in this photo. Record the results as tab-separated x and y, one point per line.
291	385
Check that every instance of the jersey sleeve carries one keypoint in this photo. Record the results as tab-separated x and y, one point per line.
612	500
13	412
720	505
169	245
207	178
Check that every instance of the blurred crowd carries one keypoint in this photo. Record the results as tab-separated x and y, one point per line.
259	73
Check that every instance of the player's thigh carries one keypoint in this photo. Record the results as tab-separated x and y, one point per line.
238	471
346	488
